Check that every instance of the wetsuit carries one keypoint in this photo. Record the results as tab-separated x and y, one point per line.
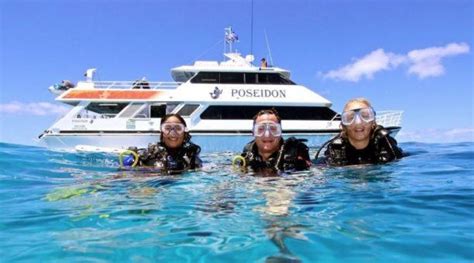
382	148
291	155
160	157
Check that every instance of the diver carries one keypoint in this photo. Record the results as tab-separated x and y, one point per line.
269	152
361	140
174	152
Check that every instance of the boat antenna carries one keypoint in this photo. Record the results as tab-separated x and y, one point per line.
268	47
207	50
251	30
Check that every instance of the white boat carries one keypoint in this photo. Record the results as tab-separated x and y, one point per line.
216	99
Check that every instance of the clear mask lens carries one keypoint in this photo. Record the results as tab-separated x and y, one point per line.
178	128
267	129
365	114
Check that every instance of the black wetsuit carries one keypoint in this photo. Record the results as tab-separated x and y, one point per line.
291	155
160	157
382	148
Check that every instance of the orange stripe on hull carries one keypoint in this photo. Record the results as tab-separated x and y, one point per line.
112	94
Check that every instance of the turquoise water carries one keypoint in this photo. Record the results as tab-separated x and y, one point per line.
77	207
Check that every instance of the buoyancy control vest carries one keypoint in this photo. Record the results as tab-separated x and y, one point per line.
160	157
382	148
291	155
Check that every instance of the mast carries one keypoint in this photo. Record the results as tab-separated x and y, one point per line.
251	30
229	38
268	47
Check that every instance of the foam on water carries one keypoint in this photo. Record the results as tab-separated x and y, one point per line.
79	206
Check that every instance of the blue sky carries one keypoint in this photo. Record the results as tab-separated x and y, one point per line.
415	56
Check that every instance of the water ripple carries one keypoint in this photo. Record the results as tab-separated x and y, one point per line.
79	207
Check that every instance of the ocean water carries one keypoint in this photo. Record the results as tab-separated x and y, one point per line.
71	207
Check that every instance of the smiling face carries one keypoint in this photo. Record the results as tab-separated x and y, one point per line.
173	133
359	131
268	143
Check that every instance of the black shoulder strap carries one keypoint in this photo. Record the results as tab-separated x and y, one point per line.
385	144
192	149
293	155
300	146
326	144
248	149
335	154
190	155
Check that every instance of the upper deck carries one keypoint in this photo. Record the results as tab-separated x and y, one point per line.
207	89
233	82
235	63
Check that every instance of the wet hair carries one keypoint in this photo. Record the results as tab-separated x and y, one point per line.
359	100
187	136
177	116
271	111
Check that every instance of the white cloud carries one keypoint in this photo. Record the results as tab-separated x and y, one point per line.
422	62
460	132
34	108
427	62
367	66
438	135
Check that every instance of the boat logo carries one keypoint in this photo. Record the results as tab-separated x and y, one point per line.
216	93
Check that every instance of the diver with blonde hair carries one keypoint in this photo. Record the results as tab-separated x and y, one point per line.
361	140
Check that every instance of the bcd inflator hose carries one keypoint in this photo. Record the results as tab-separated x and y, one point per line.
127	158
236	160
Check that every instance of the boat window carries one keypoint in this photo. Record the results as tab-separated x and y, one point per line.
264	78
238	78
109	109
273	78
284	80
130	110
231	78
144	113
250	78
206	77
188	109
158	111
170	107
286	112
182	76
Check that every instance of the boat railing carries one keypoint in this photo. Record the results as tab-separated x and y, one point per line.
93	116
138	84
389	118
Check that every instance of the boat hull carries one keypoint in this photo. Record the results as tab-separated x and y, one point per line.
209	143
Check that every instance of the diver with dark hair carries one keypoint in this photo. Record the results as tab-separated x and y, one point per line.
269	152
174	152
361	141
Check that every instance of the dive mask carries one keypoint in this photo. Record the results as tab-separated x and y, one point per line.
267	129
178	128
363	114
